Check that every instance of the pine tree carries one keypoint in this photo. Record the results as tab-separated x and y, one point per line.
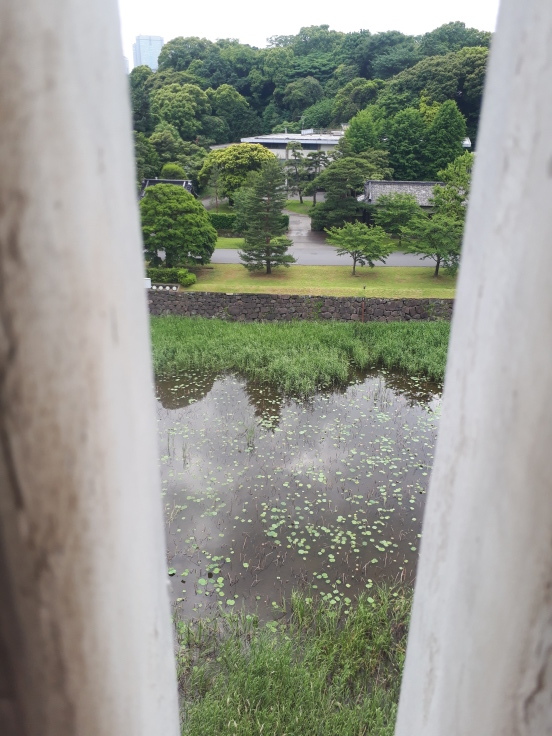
259	206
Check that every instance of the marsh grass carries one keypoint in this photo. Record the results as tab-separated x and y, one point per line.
298	357
324	671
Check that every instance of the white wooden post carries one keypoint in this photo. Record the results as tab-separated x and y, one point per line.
479	653
85	634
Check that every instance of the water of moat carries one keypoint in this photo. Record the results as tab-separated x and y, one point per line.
265	494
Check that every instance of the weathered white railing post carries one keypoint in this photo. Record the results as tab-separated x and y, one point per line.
479	654
85	636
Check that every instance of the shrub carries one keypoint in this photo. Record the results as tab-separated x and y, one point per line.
185	278
223	221
171	276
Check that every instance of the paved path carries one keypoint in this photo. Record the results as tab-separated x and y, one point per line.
310	249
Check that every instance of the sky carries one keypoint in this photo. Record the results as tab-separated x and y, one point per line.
252	22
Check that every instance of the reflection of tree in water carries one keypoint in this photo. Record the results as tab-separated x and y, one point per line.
268	400
418	391
180	391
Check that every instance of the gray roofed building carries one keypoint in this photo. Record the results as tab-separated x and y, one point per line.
421	190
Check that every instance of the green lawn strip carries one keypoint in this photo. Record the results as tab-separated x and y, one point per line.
323	671
229	243
298	357
393	283
294	205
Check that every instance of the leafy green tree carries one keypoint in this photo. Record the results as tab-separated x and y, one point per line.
142	118
259	211
364	244
452	198
395	211
234	109
406	143
181	106
354	96
316	161
234	163
438	237
452	37
179	53
343	181
361	133
167	143
297	169
319	115
147	160
172	171
174	221
301	94
444	138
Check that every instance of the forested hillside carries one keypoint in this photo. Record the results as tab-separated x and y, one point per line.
391	88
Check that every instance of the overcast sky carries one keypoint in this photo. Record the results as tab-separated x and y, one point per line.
252	21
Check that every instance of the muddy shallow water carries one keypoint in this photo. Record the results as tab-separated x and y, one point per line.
264	495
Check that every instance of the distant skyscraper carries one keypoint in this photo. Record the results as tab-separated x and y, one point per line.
146	51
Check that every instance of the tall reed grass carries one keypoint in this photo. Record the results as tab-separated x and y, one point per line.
323	673
299	357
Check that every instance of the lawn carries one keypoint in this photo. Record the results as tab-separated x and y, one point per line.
232	243
294	205
392	283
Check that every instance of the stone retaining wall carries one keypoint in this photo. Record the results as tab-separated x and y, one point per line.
283	307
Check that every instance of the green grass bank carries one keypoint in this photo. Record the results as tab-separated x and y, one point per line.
326	671
383	282
298	357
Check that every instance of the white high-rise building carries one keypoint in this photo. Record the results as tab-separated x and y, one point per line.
146	51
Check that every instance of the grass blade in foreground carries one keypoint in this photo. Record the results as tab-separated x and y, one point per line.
326	672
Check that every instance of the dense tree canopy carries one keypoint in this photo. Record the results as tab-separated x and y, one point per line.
219	92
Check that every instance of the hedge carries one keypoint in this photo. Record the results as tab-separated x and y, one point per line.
171	276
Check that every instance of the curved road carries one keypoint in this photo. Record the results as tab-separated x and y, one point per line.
310	249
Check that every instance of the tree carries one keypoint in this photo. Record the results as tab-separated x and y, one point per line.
234	109
182	106
319	115
438	237
364	244
452	198
174	221
301	94
316	162
406	143
259	209
147	160
142	118
361	133
395	211
172	171
234	163
343	181
354	96
444	137
297	169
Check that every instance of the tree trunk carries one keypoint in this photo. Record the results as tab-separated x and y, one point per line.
314	199
437	264
268	267
354	265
